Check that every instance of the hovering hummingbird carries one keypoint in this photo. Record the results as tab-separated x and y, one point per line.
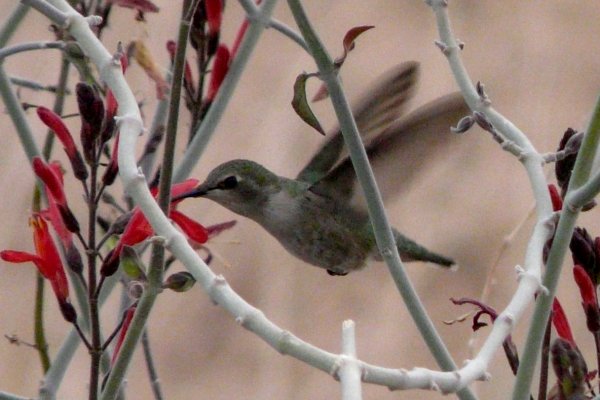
314	216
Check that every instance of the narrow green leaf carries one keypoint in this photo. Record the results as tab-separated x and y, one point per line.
300	103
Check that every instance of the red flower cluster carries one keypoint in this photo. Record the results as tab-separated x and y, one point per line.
48	263
138	228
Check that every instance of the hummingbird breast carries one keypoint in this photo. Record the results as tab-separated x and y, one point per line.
318	230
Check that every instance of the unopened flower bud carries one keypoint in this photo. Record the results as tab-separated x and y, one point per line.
179	282
68	311
570	369
564	167
583	252
91	109
73	258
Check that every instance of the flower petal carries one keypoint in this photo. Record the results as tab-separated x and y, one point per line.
191	228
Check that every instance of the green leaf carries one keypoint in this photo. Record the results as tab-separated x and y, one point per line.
300	103
131	264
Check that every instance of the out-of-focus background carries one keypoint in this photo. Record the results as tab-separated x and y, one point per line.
540	67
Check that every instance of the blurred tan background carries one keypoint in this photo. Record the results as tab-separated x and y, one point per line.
539	63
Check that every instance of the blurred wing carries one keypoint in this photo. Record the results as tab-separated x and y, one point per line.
403	149
380	106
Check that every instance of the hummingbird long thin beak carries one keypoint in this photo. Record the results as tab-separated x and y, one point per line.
196	192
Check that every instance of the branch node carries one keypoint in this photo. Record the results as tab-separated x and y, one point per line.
215	286
508	318
159	240
442	46
285	341
93	20
483	97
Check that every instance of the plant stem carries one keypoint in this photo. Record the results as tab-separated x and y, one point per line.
225	93
543	386
382	228
152	374
96	345
560	244
12	22
155	269
40	337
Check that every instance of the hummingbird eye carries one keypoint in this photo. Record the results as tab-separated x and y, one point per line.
228	183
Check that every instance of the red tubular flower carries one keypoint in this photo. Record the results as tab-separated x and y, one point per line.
561	323
126	322
139	229
113	166
91	110
192	229
555	197
214	15
588	295
48	263
219	70
56	124
54	185
52	214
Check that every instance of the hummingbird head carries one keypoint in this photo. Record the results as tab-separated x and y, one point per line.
240	185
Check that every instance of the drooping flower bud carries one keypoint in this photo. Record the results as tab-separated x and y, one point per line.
583	252
561	323
54	185
588	296
214	16
219	70
570	369
564	167
179	282
91	109
56	124
110	174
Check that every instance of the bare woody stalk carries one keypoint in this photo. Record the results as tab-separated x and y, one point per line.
155	271
382	228
581	190
530	276
130	126
217	108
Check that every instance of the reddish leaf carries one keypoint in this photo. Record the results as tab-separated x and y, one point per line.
352	34
348	42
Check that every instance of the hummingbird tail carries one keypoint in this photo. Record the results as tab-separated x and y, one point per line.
412	251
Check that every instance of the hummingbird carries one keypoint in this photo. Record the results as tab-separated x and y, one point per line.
316	216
